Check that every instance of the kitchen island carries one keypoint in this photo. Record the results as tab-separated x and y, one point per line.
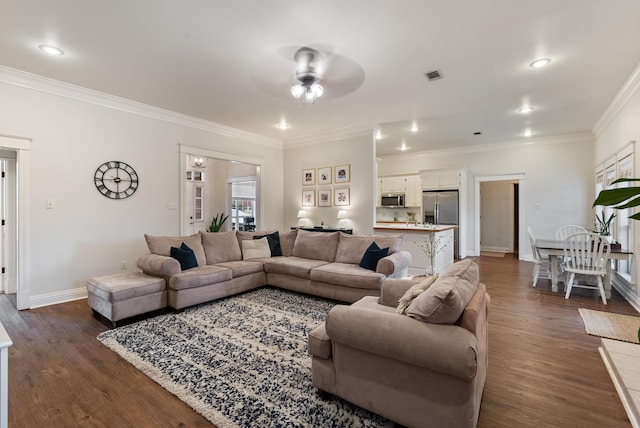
416	235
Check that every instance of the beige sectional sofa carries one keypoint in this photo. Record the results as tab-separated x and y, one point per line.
427	369
325	264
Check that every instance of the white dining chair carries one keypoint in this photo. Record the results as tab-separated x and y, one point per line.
542	268
586	254
561	235
564	231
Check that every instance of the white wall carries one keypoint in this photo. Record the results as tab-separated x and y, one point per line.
619	125
87	234
358	152
557	189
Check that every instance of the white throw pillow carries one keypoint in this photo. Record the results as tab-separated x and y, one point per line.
414	292
255	249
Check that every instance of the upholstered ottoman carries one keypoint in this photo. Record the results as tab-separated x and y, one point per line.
124	295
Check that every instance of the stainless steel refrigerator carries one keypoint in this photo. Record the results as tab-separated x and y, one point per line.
441	207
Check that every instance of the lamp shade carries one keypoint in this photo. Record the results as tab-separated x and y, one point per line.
302	214
342	214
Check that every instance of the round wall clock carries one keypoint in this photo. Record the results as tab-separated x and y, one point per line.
116	180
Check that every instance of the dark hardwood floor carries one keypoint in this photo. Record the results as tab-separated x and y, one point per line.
544	370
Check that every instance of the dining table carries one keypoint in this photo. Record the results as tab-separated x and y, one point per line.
555	250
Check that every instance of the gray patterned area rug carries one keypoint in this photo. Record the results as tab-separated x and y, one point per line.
240	361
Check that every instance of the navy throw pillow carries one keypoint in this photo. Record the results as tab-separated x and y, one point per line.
185	256
372	255
274	243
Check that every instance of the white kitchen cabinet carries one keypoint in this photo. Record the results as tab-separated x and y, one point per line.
442	178
393	185
413	193
409	185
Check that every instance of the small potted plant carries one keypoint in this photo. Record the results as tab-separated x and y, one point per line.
602	225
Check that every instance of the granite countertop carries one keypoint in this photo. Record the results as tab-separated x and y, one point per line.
412	228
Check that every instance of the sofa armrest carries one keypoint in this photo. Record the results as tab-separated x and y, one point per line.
393	289
395	265
157	265
444	348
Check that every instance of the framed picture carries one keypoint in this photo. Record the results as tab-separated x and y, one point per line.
324	175
342	174
308	177
341	197
308	198
324	197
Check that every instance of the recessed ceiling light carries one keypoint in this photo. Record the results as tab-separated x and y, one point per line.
414	128
403	147
51	50
283	125
527	133
540	62
378	134
525	109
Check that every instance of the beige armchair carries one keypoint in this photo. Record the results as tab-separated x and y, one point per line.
414	373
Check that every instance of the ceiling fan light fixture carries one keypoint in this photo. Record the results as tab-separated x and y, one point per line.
316	89
297	90
311	90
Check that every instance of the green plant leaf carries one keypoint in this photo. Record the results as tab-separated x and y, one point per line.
611	197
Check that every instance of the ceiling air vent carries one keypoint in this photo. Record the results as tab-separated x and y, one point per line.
433	75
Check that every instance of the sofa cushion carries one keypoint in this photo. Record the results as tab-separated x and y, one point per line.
372	255
413	292
241	235
200	276
467	269
161	245
292	266
274	243
243	267
287	239
352	247
220	247
255	249
444	301
348	275
185	256
316	245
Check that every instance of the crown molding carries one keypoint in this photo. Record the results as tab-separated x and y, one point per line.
619	101
580	137
39	83
329	135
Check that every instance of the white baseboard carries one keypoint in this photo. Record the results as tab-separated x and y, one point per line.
494	249
57	297
628	294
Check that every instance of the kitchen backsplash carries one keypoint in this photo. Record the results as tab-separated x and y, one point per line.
396	214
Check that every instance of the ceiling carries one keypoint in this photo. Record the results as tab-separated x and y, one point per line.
232	62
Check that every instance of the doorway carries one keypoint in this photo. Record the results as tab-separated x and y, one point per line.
218	186
498	214
14	193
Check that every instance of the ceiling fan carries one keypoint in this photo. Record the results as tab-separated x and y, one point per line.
308	77
317	70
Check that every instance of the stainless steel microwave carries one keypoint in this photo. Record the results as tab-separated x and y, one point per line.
392	200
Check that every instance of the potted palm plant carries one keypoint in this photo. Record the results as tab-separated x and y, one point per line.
217	222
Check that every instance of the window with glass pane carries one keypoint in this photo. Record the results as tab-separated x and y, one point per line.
198	199
622	230
243	205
